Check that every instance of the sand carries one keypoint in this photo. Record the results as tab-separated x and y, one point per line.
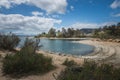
107	52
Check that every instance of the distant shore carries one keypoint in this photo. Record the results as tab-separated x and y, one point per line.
59	38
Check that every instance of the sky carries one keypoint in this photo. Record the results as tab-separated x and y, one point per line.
36	16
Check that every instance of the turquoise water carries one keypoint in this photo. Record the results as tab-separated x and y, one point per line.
64	46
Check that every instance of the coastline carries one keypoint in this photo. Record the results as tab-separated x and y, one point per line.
107	52
104	51
54	38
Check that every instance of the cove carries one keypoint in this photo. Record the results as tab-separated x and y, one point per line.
64	46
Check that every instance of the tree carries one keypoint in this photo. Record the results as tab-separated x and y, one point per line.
64	32
77	33
52	32
59	34
112	31
70	33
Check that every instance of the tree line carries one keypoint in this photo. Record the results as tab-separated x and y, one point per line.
107	32
64	33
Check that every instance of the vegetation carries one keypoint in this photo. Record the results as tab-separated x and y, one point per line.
8	41
27	60
108	32
52	33
90	71
105	32
64	33
69	63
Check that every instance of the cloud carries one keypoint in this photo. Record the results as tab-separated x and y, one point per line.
36	13
83	25
115	4
26	24
116	15
79	25
9	3
107	24
50	6
55	16
72	8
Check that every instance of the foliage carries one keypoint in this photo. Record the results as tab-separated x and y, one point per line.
90	71
69	62
52	33
8	41
27	60
31	45
64	33
107	32
42	35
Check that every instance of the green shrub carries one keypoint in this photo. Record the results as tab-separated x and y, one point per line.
69	62
90	71
8	41
31	45
26	61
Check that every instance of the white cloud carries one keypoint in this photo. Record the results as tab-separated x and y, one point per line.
50	6
9	3
107	24
116	15
55	16
83	25
115	4
26	24
79	25
36	13
72	8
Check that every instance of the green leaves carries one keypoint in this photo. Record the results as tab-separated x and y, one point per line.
8	41
27	61
90	71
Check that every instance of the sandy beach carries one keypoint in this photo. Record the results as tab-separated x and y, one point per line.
108	52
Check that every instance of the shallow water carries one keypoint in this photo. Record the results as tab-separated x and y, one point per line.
64	46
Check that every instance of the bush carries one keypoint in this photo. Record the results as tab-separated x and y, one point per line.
26	61
8	41
90	71
69	62
31	45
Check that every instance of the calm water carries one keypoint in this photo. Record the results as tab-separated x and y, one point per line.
64	46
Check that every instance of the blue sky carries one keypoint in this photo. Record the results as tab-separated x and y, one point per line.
36	16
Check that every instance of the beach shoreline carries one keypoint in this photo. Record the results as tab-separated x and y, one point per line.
107	52
103	51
